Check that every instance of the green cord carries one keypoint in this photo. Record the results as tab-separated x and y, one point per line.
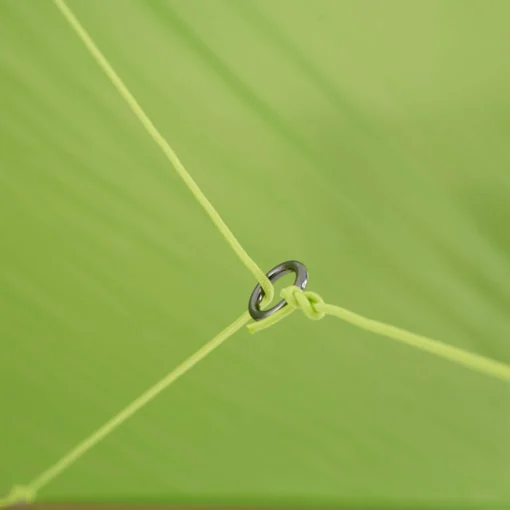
312	305
27	493
315	308
18	494
167	150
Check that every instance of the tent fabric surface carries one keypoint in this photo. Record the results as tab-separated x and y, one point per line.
367	139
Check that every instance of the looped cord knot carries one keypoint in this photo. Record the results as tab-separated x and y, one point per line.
18	494
309	302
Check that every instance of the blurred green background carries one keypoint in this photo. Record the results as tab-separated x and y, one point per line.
368	139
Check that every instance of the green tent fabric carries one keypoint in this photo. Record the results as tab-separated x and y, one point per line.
368	139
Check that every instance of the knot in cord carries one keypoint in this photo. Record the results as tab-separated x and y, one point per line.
309	302
18	494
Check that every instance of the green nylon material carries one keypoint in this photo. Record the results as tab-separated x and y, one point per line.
312	305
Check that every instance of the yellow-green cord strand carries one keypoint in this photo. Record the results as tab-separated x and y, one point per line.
165	147
314	308
309	302
470	360
29	492
461	357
